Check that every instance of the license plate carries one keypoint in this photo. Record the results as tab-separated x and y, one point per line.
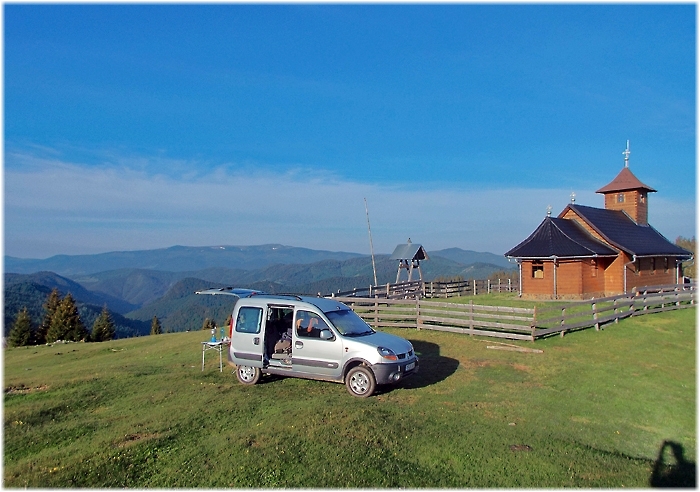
409	366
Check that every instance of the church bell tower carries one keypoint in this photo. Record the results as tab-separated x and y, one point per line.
627	193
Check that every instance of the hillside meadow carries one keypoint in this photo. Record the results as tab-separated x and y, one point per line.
614	408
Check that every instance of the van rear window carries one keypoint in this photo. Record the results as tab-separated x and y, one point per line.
249	320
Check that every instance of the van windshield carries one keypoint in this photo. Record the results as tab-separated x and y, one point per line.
348	323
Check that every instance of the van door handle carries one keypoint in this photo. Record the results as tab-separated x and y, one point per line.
298	345
256	341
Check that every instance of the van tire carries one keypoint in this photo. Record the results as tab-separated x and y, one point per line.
360	382
248	375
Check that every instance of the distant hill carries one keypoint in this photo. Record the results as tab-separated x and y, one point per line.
469	257
135	286
141	287
194	259
31	291
64	285
175	259
180	309
139	293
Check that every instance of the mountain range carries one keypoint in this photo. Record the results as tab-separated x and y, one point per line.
137	285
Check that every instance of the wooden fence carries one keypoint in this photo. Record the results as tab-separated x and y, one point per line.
599	311
518	323
434	289
472	319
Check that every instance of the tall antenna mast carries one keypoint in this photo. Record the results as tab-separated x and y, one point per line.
371	247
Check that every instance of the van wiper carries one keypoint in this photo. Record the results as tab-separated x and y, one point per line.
362	333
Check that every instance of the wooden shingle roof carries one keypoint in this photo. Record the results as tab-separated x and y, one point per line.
620	231
625	181
561	238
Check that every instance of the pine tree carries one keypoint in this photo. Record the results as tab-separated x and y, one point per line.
50	306
66	323
21	333
156	329
103	328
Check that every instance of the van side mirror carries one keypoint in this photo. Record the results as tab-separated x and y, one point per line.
326	334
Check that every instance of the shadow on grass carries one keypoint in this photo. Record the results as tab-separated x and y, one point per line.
433	366
678	473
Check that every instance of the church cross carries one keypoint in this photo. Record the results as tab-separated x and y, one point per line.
627	153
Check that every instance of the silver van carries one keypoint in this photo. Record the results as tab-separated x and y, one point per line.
313	338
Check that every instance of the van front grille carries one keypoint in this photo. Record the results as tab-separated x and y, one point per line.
407	354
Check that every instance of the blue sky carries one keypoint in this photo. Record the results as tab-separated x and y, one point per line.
144	126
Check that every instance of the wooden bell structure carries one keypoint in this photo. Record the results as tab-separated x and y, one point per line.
409	256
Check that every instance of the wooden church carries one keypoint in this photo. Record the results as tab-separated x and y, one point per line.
591	252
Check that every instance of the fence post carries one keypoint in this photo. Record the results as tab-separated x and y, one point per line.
474	291
418	320
510	287
499	285
534	323
692	294
388	291
631	308
376	312
617	318
595	316
471	318
563	313
677	296
488	286
431	289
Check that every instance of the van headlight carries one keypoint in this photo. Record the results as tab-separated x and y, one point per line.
387	353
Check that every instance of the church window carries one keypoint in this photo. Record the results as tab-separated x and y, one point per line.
620	198
594	268
537	269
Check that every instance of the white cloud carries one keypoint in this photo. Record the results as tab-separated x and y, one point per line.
54	207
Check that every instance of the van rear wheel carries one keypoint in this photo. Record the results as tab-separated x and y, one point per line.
248	375
360	382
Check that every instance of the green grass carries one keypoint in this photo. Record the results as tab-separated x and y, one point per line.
592	410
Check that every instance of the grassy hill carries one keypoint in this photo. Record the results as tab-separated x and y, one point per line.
601	409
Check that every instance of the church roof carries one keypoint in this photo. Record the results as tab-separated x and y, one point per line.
561	238
621	232
625	181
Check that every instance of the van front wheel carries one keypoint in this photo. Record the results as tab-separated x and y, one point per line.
248	375
360	382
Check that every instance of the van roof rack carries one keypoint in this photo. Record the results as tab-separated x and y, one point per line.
241	293
231	291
